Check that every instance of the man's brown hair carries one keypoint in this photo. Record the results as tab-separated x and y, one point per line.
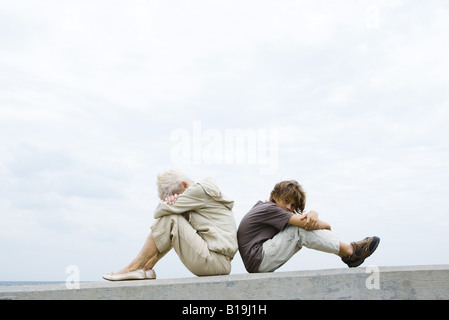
290	191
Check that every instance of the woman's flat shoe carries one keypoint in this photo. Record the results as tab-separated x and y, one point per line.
150	274
133	275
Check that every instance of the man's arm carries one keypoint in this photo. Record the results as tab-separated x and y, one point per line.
309	221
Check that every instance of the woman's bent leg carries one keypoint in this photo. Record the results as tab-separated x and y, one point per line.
174	231
146	254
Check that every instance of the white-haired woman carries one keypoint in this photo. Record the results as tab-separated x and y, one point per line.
196	220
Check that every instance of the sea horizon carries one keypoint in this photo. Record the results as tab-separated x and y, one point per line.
31	283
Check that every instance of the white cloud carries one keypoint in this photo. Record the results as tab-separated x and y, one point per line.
91	91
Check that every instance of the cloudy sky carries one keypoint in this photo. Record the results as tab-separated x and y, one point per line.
97	97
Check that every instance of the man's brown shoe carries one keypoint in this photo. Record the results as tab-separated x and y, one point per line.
362	250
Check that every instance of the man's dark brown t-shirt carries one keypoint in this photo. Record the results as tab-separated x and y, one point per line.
261	223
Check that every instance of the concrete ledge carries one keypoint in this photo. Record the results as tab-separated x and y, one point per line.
404	282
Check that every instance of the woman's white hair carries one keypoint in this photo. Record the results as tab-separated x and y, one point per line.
170	183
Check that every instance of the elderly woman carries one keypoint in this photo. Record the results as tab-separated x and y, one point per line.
196	220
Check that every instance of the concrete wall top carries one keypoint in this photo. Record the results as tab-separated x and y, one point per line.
399	282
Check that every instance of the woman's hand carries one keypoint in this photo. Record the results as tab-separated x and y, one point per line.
171	199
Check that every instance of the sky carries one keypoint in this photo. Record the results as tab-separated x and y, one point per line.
98	97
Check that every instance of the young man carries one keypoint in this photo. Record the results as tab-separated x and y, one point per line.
271	232
196	220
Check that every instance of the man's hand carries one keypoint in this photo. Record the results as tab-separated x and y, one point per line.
311	220
171	199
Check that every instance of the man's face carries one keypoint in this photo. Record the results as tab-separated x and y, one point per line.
284	204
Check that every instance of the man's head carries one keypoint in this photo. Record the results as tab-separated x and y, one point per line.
172	182
289	195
